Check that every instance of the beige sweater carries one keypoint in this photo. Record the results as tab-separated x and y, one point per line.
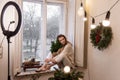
67	56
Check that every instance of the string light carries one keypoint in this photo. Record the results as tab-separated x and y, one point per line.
85	16
81	10
93	24
66	69
106	22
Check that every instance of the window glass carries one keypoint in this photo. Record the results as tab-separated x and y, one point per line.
54	22
31	29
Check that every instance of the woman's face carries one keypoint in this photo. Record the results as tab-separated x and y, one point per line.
62	40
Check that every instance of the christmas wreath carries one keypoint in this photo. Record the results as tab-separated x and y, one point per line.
101	37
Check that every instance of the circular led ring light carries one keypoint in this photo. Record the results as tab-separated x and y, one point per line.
6	32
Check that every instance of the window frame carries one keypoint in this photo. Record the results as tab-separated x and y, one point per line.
18	39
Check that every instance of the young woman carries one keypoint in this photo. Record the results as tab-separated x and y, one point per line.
64	54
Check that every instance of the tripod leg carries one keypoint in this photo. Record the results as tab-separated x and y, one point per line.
8	40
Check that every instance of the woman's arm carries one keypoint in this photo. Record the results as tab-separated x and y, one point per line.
64	53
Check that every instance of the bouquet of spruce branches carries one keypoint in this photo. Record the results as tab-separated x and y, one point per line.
55	45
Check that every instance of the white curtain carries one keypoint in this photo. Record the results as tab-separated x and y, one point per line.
79	37
76	31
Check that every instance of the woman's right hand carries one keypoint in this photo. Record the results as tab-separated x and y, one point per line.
47	60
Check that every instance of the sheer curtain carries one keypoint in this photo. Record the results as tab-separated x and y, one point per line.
79	37
75	31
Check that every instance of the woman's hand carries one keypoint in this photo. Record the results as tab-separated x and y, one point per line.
53	61
47	60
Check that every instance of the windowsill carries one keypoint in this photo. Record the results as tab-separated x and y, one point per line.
32	71
28	73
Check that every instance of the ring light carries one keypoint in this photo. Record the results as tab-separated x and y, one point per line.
7	32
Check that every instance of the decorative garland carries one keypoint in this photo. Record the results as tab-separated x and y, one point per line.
59	74
101	37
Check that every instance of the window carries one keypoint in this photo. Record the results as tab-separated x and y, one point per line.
42	22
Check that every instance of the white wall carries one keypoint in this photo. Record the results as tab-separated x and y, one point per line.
104	65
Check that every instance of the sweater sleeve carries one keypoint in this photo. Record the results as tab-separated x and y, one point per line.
64	53
49	55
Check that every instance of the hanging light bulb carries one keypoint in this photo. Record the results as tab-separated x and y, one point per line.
93	24
81	10
66	69
85	16
106	22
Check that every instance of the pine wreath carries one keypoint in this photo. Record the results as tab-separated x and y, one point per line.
101	37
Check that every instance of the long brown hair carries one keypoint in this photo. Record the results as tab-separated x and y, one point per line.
61	35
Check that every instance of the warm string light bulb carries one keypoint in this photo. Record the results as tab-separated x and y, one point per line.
106	22
66	69
85	16
93	24
81	10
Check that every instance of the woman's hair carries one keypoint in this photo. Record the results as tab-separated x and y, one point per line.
61	35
